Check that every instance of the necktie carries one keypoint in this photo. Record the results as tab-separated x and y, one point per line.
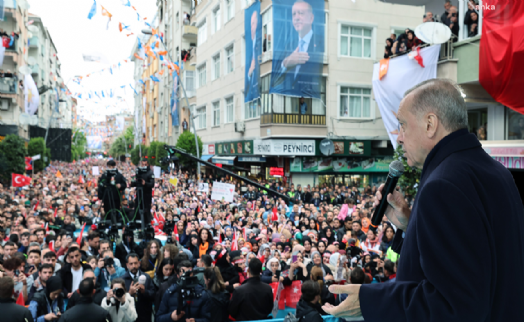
302	45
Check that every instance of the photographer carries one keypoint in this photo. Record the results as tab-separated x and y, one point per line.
146	180
111	187
141	287
107	270
119	304
196	307
127	246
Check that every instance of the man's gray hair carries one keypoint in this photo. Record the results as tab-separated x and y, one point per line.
34	244
442	97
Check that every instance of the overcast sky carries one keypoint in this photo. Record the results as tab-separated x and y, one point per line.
74	34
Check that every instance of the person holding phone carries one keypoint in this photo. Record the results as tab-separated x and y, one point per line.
297	270
119	303
272	272
48	305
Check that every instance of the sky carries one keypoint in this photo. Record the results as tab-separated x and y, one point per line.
74	35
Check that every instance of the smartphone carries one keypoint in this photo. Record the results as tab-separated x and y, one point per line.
278	274
17	272
294	259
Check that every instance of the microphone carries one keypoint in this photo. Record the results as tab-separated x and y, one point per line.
142	280
396	169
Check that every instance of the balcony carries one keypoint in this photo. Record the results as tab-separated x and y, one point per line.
35	69
284	118
13	47
8	85
34	42
190	32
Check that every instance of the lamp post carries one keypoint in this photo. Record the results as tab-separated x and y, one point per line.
149	32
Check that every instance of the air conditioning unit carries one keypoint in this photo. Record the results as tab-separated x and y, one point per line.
4	105
240	127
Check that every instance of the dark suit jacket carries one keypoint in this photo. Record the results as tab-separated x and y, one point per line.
252	89
143	301
463	252
67	277
307	81
251	301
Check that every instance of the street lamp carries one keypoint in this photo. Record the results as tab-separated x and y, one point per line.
149	32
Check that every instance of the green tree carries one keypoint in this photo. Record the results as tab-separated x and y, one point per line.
186	141
78	144
14	150
135	154
161	153
409	181
122	143
37	146
152	152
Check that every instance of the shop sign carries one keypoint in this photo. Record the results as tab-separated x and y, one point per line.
276	172
334	164
511	162
284	147
242	147
500	151
251	159
208	149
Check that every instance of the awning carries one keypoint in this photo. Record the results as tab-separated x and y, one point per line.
224	160
206	157
251	159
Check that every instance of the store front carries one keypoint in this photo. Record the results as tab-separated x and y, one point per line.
511	155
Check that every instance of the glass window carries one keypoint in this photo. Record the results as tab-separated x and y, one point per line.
216	114
230	5
216	67
230	59
201	117
216	20
230	116
202	32
355	102
355	41
267	29
252	109
190	81
202	75
515	125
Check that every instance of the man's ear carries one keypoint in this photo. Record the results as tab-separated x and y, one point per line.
432	124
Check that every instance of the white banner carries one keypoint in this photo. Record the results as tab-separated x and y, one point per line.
203	187
284	147
157	172
36	157
32	98
96	171
403	73
223	191
143	118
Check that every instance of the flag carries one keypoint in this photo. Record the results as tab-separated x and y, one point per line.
36	206
79	239
46	228
56	211
108	15
293	294
415	54
126	3
32	98
20	300
52	246
92	12
81	179
19	180
154	79
174	102
58	174
28	163
234	244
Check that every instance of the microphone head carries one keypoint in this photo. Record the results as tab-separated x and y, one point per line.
396	169
142	279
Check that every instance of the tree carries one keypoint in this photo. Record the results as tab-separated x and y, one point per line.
135	153
14	150
152	152
78	144
409	181
186	141
119	147
38	146
161	153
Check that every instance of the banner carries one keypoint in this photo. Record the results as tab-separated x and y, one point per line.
298	53
94	142
284	147
174	102
223	191
32	98
331	164
203	187
403	74
120	123
253	28
95	171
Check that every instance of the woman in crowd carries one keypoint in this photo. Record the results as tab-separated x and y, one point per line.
317	262
163	272
297	269
120	308
272	272
387	238
152	258
219	298
372	243
227	270
325	295
306	241
170	251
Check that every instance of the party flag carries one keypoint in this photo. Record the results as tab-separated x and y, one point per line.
154	79
108	15
20	300
92	12
79	239
58	174
126	3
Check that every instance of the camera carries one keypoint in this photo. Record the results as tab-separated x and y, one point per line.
109	262
187	283
111	172
119	292
107	230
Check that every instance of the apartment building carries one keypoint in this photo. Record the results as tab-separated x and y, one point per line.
244	136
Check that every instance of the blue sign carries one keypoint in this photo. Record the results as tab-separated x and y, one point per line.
253	32
298	53
252	159
174	101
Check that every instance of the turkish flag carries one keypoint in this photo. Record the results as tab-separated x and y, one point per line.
28	165
19	180
20	300
6	41
293	294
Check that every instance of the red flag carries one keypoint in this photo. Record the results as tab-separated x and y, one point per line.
19	180
176	233
36	206
220	238
79	239
81	179
28	163
293	294
20	300
234	244
46	229
52	246
244	233
56	210
274	215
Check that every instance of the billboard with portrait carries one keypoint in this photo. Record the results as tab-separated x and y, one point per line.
94	142
253	32
298	52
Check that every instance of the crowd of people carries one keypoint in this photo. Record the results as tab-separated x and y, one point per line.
407	41
208	260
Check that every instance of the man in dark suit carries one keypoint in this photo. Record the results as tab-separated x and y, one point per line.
451	243
85	310
144	294
11	312
111	187
253	73
297	70
253	300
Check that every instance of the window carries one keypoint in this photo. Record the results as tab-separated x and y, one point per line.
202	75
355	41
252	109
216	113
202	32
514	125
177	20
230	56
189	80
216	67
245	3
230	9
216	20
230	111
201	117
267	30
355	102
280	104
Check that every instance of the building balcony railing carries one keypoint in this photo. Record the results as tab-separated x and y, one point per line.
34	42
288	118
35	69
8	85
190	32
13	47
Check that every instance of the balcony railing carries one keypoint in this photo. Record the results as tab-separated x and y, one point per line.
13	47
189	31
34	42
8	85
285	118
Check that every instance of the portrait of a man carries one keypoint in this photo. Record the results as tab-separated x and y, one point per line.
253	28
